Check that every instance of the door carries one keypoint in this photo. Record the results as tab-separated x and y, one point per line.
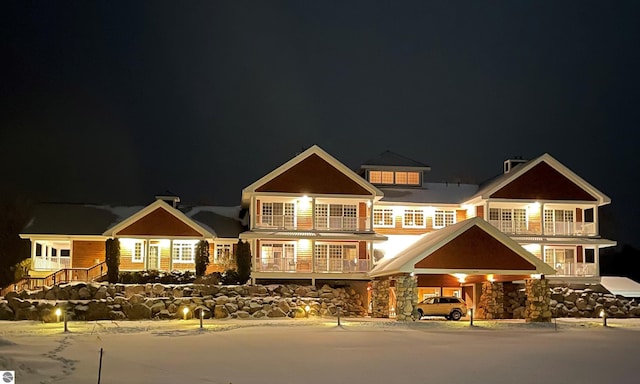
153	261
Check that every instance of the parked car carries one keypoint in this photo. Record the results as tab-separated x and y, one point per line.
452	308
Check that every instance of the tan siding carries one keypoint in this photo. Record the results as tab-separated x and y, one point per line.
304	216
480	211
125	260
535	222
165	259
86	254
304	258
461	215
403	231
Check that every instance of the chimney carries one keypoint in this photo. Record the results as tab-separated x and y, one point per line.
169	197
510	164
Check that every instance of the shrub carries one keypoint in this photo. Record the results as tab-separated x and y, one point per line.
112	258
202	257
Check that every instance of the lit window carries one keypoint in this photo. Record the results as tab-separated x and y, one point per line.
413	178
383	217
375	177
443	218
387	177
137	252
223	254
183	251
413	218
401	177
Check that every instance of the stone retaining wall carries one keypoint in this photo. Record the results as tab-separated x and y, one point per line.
491	304
406	297
157	301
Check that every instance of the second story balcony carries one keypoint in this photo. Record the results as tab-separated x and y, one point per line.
313	215
549	220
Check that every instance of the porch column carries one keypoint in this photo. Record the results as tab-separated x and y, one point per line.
537	307
380	298
406	297
491	305
542	222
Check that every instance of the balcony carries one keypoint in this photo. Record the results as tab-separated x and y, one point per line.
51	263
573	269
569	229
306	266
306	223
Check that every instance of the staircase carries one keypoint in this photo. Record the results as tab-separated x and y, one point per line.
65	275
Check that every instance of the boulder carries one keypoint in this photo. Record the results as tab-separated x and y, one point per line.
97	310
84	293
138	312
220	312
276	312
243	314
6	313
117	315
284	306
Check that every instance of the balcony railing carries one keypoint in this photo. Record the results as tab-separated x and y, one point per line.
306	266
306	223
550	228
51	264
569	228
575	269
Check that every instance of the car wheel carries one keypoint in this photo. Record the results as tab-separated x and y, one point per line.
420	314
455	315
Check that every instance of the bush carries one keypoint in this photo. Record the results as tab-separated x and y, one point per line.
230	277
112	259
153	276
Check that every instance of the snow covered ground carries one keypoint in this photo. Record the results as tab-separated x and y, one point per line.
318	351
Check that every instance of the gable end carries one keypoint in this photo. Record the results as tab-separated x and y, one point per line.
543	182
313	175
159	222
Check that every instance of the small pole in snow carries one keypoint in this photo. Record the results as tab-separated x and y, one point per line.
339	310
100	366
471	317
555	323
66	329
201	317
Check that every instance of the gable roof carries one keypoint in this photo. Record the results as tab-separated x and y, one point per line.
393	160
149	209
314	154
430	193
407	260
225	226
546	164
73	219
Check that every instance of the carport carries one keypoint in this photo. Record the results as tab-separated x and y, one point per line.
472	259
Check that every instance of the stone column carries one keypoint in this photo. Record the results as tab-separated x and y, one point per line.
537	308
491	304
380	298
406	297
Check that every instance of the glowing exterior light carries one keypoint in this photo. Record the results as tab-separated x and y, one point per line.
535	207
460	277
58	314
185	311
307	309
536	276
603	314
412	274
491	278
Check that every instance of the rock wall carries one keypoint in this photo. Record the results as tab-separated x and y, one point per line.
491	304
406	297
380	298
157	301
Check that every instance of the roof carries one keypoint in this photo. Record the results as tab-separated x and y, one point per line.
95	220
430	193
491	186
75	219
427	244
313	150
392	159
224	226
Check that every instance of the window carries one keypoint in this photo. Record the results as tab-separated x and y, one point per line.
589	255
387	177
278	215
137	252
375	177
277	257
336	257
413	218
561	259
337	216
184	251
383	217
509	220
443	218
223	254
558	221
390	177
408	178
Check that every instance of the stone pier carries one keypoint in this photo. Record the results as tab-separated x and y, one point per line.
537	308
380	298
491	304
406	297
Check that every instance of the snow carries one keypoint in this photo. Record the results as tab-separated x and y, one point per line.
318	351
621	286
230	212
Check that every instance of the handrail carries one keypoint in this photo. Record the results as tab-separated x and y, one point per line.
64	275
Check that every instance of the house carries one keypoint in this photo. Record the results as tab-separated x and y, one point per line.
314	220
68	241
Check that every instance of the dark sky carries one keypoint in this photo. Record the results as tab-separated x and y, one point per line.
115	101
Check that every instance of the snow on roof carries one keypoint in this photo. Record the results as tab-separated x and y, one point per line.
430	193
623	286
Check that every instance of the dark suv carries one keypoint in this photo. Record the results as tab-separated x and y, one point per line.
452	308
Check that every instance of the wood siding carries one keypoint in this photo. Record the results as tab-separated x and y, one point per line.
313	175
440	280
159	223
480	211
475	249
543	182
461	215
86	253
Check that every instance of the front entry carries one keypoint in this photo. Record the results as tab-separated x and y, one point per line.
153	261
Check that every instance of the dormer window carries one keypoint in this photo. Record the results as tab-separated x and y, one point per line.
394	178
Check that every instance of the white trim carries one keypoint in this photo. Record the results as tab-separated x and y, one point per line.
251	189
113	231
600	197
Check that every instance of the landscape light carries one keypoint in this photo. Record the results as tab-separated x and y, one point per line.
185	310
58	313
603	314
307	309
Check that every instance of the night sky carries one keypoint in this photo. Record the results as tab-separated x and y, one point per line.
113	102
